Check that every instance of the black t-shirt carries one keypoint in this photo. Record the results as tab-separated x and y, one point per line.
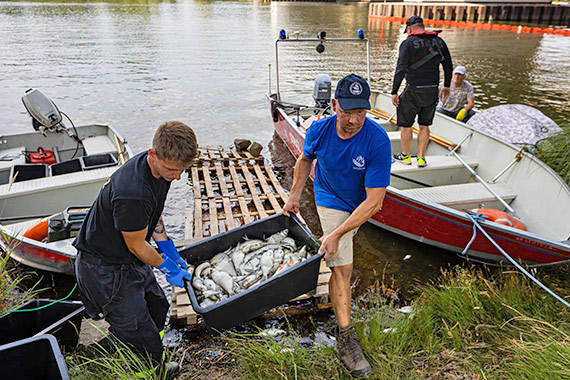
130	200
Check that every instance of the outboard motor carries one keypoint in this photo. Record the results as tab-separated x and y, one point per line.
322	91
45	114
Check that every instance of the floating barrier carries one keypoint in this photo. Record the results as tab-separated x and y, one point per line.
520	29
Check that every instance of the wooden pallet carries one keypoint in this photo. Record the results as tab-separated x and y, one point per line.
182	313
232	189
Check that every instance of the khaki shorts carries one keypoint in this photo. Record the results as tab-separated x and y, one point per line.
330	220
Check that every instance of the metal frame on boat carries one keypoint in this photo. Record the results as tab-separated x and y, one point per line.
466	169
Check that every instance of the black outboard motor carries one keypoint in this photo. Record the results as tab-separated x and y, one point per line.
322	91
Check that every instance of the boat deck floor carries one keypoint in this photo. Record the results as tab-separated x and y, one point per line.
466	195
18	229
439	162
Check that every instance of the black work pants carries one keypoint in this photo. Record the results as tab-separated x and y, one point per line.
130	300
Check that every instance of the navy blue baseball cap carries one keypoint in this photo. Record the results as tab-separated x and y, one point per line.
413	21
352	92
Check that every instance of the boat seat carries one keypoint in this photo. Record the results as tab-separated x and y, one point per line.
396	143
439	162
98	145
12	156
465	195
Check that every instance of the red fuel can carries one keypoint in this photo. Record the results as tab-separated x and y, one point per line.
42	156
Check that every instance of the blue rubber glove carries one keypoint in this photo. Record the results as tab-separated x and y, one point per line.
167	247
174	274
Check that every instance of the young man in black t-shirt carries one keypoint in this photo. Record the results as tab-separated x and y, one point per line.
114	260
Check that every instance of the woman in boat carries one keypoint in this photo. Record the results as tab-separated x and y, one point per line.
351	176
461	100
114	261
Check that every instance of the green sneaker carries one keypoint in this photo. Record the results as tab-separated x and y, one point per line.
405	159
422	163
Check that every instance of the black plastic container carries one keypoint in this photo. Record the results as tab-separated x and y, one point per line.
36	358
29	171
65	167
279	289
96	161
62	320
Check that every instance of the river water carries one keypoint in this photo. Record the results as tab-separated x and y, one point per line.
135	64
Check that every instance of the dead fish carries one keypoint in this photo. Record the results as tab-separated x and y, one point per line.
226	266
201	267
207	302
224	280
277	237
289	243
237	257
250	245
302	252
250	280
266	263
219	257
197	283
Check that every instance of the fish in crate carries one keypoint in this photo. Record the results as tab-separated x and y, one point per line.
244	266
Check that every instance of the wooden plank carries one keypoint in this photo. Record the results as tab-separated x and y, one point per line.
230	223
222	181
198	226
196	182
214	227
276	184
266	189
208	182
188	233
253	191
236	181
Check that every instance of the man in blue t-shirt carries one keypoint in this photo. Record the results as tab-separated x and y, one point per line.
351	175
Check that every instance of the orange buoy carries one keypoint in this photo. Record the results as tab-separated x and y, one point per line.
500	217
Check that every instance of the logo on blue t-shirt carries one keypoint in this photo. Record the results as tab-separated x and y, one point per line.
359	163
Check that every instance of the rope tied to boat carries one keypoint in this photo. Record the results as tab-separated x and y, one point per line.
478	217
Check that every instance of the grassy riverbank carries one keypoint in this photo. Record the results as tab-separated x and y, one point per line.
12	294
469	325
555	153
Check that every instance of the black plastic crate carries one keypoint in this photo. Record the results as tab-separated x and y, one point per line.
64	167
62	320
36	358
279	289
28	171
96	161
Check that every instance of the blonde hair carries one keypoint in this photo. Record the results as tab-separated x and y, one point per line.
175	141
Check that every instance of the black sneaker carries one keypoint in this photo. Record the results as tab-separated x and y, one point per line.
172	369
405	159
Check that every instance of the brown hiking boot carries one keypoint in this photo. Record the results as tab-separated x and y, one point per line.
350	352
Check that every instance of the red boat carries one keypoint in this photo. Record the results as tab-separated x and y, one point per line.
467	169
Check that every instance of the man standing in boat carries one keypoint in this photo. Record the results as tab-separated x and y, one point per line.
420	55
114	260
351	175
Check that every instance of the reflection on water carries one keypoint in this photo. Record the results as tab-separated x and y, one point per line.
136	64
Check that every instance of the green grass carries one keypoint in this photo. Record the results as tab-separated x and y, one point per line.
555	153
12	294
467	325
114	361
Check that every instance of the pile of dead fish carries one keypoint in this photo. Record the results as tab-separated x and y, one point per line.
244	266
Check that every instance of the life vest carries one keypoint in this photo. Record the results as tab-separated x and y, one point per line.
424	33
500	217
